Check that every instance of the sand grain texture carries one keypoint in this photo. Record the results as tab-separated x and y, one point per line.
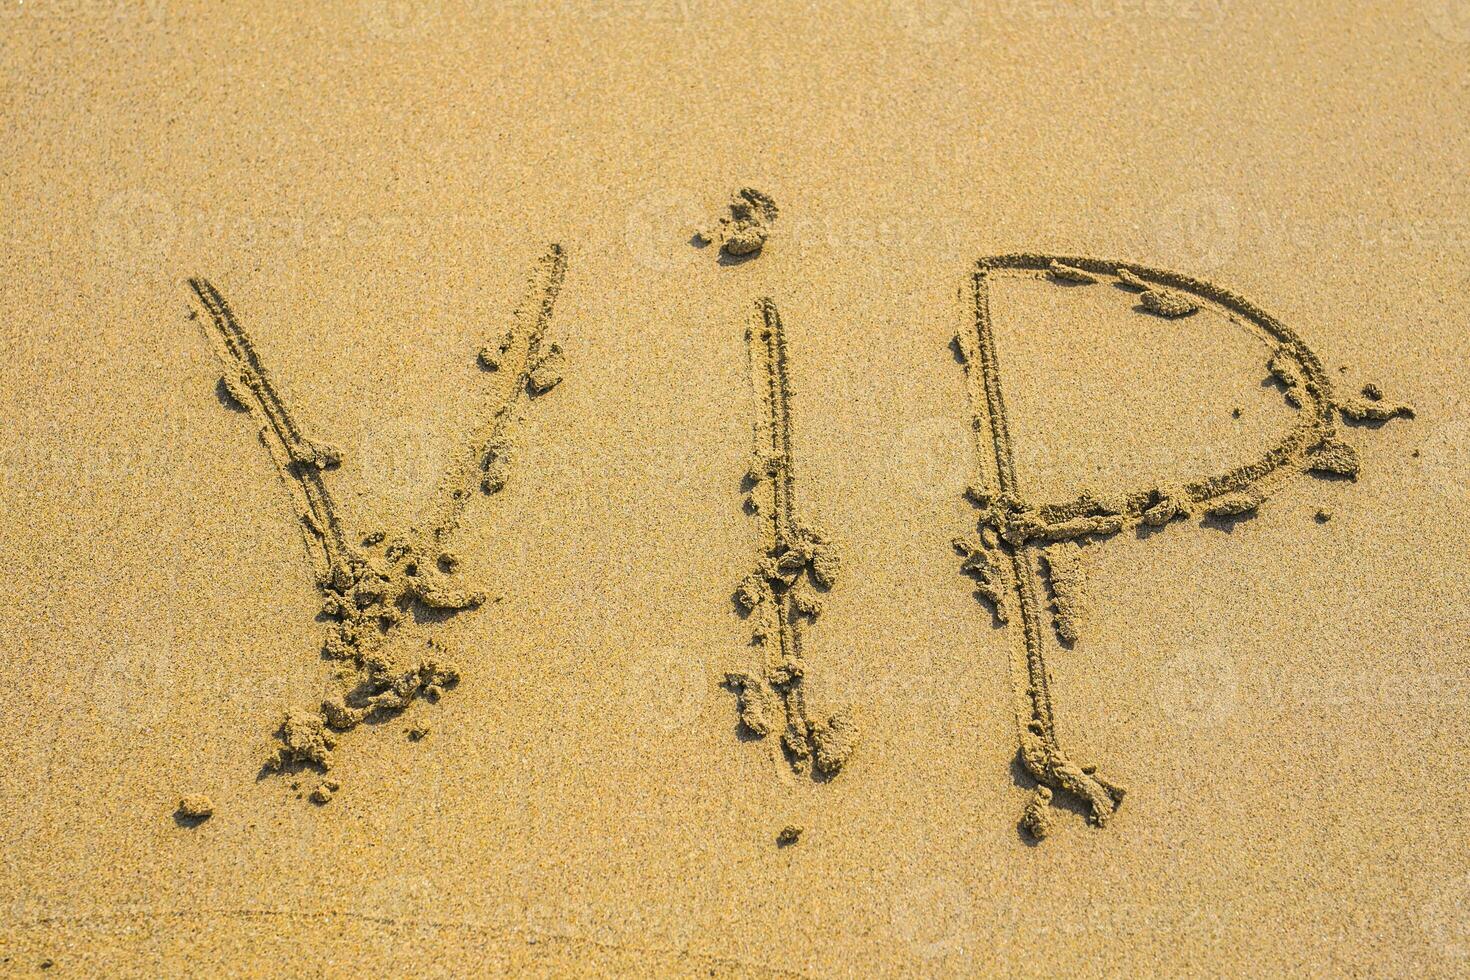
370	188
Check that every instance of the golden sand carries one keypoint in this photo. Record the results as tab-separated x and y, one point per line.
423	554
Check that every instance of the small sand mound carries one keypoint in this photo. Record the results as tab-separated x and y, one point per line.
196	806
744	231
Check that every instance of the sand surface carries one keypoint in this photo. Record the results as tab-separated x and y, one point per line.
370	186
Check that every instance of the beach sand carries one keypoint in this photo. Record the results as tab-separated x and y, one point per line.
370	186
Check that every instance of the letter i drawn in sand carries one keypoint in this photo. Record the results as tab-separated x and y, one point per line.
1017	536
371	583
797	564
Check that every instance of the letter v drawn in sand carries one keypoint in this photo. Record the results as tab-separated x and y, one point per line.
797	564
1017	536
371	583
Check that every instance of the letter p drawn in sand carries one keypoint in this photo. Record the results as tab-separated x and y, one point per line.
1016	535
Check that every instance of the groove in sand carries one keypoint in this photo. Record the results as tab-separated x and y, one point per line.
797	564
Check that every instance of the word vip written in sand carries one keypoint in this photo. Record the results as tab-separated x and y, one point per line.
371	583
1019	538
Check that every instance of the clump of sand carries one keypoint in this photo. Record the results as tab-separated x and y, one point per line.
324	791
196	807
745	230
304	741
